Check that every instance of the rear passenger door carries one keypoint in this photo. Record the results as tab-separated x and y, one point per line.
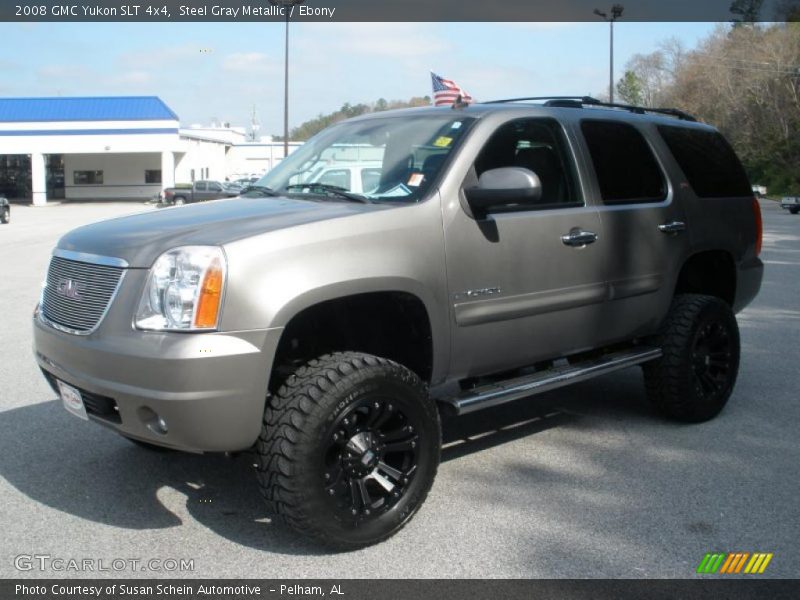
643	224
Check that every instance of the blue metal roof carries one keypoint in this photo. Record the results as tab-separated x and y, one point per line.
115	108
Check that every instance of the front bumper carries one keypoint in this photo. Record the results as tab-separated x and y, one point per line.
209	389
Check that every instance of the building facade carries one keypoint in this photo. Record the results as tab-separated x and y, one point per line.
115	148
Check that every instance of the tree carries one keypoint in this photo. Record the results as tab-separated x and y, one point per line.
629	88
746	11
313	126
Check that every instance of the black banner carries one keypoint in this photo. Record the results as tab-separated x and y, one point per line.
398	10
396	589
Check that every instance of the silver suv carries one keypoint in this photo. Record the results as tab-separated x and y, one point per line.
506	249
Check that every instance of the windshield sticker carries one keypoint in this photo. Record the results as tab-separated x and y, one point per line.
416	179
443	142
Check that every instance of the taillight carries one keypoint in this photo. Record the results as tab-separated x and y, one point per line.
759	225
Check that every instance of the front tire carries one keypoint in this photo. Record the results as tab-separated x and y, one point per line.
349	449
5	215
794	211
694	378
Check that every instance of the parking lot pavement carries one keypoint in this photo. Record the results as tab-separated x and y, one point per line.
581	482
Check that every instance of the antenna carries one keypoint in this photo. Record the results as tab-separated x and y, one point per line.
255	126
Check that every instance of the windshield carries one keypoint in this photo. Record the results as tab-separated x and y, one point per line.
392	158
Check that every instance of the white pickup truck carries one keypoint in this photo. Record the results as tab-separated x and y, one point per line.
791	203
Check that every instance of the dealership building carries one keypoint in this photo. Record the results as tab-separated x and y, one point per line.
115	148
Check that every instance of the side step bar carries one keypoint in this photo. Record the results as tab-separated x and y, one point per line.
536	383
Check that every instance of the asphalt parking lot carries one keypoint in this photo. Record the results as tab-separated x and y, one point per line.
581	482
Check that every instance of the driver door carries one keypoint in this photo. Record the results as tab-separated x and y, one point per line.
520	293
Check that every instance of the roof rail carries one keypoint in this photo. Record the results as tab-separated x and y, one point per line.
584	101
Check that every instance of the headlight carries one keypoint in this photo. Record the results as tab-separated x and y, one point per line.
184	290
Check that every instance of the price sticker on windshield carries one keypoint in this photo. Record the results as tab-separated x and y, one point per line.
443	142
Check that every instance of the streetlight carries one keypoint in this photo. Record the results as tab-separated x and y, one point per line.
616	13
287	6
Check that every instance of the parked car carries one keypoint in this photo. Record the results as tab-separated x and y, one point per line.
355	177
5	211
200	191
507	249
245	181
791	203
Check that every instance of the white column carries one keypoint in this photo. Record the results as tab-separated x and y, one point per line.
167	170
38	180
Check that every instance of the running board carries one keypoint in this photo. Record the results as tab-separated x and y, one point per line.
521	387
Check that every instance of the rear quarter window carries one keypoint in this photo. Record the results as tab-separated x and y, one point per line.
627	171
708	161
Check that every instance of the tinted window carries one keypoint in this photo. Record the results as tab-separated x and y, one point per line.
539	146
708	161
200	186
624	164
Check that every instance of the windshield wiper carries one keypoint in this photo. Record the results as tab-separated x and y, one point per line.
334	190
260	189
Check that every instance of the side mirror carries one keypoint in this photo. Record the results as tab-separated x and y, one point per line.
503	189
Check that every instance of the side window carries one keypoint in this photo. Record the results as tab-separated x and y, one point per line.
708	161
200	186
214	187
370	178
538	145
626	169
337	177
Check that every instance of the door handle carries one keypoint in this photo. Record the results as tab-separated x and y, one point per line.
578	238
672	227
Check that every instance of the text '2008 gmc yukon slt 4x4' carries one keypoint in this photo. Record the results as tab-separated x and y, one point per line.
506	249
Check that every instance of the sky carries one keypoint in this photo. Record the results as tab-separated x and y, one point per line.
219	71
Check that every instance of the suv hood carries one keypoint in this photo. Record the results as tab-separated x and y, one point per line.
141	239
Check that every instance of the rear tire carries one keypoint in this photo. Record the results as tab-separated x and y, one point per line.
179	201
349	449
694	378
5	215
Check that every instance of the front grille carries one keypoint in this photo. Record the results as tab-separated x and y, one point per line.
77	294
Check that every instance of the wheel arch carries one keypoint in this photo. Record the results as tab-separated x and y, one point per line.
391	319
710	272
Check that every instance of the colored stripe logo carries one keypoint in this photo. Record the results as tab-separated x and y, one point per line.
734	563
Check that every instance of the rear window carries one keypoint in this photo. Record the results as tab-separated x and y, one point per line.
626	169
708	161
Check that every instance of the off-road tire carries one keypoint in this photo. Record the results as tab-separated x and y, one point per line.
294	448
5	215
694	378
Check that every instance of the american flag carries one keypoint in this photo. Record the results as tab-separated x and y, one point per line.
446	91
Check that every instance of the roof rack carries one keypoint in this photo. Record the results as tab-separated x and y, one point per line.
582	101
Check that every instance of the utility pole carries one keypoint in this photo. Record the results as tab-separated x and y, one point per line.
616	13
287	6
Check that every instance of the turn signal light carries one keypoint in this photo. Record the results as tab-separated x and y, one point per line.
210	297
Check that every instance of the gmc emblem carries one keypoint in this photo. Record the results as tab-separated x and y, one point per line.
69	288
